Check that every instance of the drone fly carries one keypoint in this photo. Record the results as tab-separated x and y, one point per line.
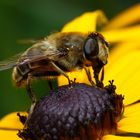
57	54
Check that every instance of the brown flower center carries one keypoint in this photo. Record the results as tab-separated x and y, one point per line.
80	112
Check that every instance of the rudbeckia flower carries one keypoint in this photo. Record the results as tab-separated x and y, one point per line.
122	32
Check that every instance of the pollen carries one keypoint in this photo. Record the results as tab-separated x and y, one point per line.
79	112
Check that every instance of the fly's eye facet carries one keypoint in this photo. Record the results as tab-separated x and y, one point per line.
91	48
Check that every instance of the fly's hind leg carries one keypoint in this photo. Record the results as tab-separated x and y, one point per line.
61	72
29	88
31	96
50	84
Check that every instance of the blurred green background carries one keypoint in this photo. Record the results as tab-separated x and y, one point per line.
35	19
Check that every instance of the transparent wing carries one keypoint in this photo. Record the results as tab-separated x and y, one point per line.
10	62
49	55
24	58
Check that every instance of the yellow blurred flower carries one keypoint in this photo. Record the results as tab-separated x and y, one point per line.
123	33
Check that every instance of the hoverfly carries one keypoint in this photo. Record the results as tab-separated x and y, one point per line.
57	54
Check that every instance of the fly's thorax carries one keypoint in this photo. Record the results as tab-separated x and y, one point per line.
67	41
72	59
71	44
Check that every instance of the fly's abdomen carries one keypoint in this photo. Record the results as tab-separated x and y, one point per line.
20	74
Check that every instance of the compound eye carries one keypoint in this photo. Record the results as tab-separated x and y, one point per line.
91	48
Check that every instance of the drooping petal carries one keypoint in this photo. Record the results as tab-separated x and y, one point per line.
125	18
125	70
131	122
85	23
9	126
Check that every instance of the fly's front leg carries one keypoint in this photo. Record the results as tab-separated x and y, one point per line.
96	76
102	75
99	83
61	72
89	75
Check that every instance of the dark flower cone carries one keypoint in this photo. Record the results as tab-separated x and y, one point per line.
79	112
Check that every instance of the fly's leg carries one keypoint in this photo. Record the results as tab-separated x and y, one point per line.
101	79
29	88
98	82
50	84
31	109
96	76
102	75
61	72
31	96
89	76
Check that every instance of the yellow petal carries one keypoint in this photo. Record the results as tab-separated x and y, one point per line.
80	76
127	17
131	121
111	137
9	135
126	72
120	50
86	22
122	35
10	121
